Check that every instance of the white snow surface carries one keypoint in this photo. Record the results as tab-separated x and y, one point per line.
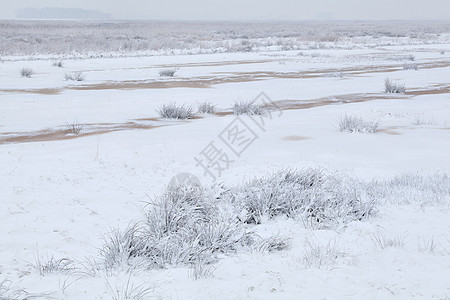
60	197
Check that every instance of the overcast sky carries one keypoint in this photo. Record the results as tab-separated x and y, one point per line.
247	9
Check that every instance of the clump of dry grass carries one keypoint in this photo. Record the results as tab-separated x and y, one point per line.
391	87
354	124
206	108
53	265
77	76
174	111
168	72
248	108
75	127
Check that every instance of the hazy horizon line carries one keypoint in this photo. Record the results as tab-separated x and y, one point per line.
226	20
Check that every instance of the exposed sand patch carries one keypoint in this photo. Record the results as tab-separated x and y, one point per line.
389	131
50	134
332	100
190	65
43	91
295	138
434	90
102	128
226	77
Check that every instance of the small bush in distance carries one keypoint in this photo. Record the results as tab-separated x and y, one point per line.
206	108
58	63
248	108
167	72
26	72
409	67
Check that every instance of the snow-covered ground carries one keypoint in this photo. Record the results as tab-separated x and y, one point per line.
61	194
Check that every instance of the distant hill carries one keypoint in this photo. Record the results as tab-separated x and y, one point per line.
61	13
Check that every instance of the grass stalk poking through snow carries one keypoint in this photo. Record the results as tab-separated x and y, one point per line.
388	241
53	265
58	63
319	255
75	128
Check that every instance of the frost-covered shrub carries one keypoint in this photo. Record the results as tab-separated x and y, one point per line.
174	111
183	226
190	225
26	72
391	87
357	124
423	189
120	246
167	72
320	200
409	67
206	108
248	108
77	76
274	195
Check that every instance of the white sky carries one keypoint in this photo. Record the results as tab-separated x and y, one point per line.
247	9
